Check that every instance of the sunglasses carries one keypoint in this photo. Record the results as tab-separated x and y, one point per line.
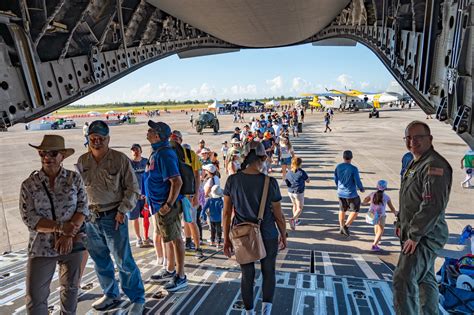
52	154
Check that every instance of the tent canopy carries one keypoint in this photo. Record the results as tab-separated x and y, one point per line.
215	105
272	103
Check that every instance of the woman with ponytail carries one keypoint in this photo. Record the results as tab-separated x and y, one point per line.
242	196
295	180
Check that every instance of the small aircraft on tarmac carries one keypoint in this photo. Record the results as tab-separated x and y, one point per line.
352	99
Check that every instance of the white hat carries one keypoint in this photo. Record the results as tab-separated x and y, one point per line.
234	141
254	145
216	191
205	150
210	168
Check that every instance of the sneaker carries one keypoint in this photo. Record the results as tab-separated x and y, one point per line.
345	230
148	242
163	274
136	308
292	224
105	303
188	245
219	244
199	253
298	222
176	284
375	248
213	243
139	243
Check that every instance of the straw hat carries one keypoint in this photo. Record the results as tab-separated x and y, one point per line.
53	143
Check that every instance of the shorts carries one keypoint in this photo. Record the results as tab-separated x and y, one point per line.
286	161
351	204
169	225
137	211
193	211
297	198
382	220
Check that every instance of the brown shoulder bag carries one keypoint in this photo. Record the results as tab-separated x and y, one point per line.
246	237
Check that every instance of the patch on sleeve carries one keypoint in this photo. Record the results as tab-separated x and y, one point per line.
435	171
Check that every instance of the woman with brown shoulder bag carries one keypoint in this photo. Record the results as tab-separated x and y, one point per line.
258	228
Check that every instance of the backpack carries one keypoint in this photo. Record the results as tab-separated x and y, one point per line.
186	171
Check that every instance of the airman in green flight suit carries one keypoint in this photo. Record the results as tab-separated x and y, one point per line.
422	227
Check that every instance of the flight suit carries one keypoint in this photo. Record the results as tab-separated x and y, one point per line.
424	195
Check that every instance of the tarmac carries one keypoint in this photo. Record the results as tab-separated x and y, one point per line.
321	272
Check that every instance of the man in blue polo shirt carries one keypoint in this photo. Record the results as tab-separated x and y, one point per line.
347	179
163	184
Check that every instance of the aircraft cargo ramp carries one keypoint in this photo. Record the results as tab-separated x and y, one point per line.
308	282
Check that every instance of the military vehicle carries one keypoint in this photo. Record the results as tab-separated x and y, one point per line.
207	120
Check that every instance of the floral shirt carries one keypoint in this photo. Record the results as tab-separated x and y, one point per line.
69	196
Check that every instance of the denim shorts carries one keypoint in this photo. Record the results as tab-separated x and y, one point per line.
286	161
137	211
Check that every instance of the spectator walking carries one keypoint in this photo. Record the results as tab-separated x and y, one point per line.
112	190
378	202
234	164
85	132
347	179
139	164
296	179
424	195
467	162
53	205
224	150
242	196
286	154
163	185
214	206
327	121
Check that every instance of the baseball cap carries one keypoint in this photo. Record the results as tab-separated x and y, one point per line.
237	129
136	146
234	141
267	134
202	141
163	130
225	142
205	150
382	185
177	133
347	155
210	168
99	127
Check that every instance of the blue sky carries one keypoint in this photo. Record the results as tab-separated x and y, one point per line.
253	73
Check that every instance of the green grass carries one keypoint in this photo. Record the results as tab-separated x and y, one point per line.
123	109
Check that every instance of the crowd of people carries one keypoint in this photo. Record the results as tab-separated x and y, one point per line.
74	214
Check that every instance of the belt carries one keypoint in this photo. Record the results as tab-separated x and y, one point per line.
105	213
97	207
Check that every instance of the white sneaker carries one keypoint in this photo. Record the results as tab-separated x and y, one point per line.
136	309
139	243
104	303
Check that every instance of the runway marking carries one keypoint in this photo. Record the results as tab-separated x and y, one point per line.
328	268
364	266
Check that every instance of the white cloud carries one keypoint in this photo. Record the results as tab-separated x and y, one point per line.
300	85
237	90
275	84
345	80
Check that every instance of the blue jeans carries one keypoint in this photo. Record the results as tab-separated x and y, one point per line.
103	240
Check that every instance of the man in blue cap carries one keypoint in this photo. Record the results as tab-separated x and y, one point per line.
162	186
112	190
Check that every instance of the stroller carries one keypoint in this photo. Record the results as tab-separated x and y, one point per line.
456	278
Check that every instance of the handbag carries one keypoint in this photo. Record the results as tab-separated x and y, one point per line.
247	238
187	210
78	242
372	217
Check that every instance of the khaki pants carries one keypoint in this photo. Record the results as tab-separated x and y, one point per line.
39	273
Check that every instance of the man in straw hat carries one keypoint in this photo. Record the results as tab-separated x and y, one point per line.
112	190
53	205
